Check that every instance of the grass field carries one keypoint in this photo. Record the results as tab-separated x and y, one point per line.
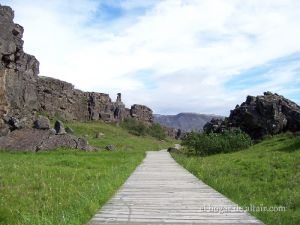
68	186
266	174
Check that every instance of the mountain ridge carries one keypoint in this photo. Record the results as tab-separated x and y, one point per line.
185	121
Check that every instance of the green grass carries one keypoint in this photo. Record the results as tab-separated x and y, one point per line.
68	186
266	174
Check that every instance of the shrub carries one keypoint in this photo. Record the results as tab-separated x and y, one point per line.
213	143
157	131
135	127
141	129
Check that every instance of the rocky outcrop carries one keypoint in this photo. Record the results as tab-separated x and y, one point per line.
57	98
37	140
266	114
18	72
262	115
24	94
216	126
173	132
42	123
142	113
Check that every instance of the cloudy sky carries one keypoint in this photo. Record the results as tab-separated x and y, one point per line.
175	56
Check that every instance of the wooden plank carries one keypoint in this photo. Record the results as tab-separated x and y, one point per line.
162	192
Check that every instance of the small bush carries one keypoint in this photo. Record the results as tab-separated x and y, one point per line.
141	129
135	127
157	131
214	143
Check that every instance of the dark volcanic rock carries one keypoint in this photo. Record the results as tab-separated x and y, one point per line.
23	93
24	139
215	126
36	140
262	115
142	113
64	140
173	150
59	98
18	72
59	127
110	147
42	122
266	114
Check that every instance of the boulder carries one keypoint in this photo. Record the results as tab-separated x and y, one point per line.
215	126
266	114
259	116
99	135
59	127
65	141
110	147
42	123
52	131
142	113
13	123
29	139
173	150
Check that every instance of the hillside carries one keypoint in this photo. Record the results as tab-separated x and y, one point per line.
184	121
68	186
266	174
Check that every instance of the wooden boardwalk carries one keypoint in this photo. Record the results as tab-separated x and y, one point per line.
162	192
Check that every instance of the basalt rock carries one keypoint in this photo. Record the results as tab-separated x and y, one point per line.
266	114
262	115
110	147
18	74
142	113
42	122
215	126
23	93
37	140
59	127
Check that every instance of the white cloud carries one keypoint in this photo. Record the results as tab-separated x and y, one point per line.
191	47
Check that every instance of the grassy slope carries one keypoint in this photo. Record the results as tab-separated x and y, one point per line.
267	173
68	186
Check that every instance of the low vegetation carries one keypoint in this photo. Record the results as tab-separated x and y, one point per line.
141	129
212	143
266	174
67	186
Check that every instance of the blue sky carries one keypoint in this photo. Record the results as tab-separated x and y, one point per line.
175	56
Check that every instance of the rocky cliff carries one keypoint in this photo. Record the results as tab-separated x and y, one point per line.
261	115
24	94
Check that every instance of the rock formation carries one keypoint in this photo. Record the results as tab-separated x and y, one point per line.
262	115
18	75
215	126
142	113
24	94
29	139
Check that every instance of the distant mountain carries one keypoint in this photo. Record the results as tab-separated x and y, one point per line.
184	121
